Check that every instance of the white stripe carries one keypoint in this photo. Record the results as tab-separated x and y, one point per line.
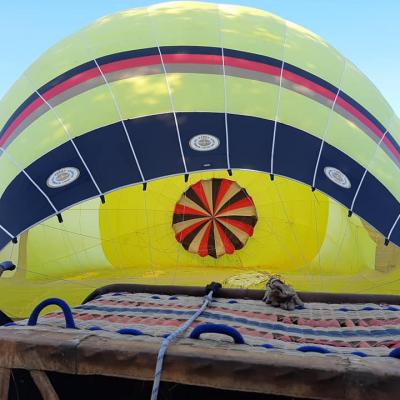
19	167
328	125
221	36
61	122
278	101
168	88
121	119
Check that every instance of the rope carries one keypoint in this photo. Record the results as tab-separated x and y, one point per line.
166	341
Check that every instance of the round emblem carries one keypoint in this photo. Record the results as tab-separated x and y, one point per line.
338	177
62	177
204	142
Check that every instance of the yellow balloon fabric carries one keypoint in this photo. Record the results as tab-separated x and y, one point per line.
301	235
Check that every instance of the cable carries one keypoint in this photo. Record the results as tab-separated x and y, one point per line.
221	37
171	100
213	287
328	125
278	101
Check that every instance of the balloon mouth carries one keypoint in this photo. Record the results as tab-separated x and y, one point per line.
214	217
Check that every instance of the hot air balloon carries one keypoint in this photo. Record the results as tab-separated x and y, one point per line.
161	151
108	136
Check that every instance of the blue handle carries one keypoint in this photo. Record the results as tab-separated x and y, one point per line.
69	319
217	328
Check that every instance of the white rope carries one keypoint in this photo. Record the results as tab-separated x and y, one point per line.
328	125
118	110
171	100
221	36
394	226
289	222
367	167
7	232
278	101
166	342
20	168
341	243
149	243
315	206
70	138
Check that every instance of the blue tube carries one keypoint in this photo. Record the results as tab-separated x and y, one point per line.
316	349
217	328
130	331
69	319
359	354
395	353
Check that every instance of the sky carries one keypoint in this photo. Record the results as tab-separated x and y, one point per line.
365	31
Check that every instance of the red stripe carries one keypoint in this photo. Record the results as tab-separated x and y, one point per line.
314	87
246	202
131	63
181	209
203	248
238	224
72	82
229	247
199	190
192	59
343	103
223	188
182	234
21	117
217	60
252	66
195	59
364	120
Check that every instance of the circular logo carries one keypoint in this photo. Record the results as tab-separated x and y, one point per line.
63	177
204	142
338	177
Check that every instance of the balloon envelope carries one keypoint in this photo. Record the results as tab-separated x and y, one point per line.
166	98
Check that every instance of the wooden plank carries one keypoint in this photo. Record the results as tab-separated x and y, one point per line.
39	349
44	385
4	383
219	365
244	294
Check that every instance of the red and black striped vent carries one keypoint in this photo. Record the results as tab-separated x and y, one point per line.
214	217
